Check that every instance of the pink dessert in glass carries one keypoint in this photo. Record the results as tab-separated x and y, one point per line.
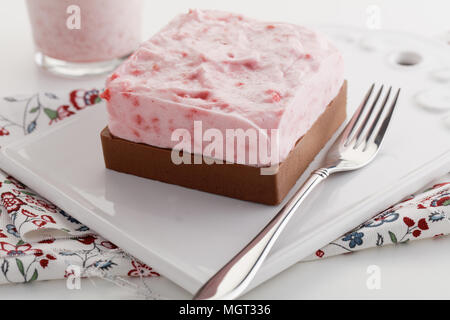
227	71
107	31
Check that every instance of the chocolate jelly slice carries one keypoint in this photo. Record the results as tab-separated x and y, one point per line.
231	180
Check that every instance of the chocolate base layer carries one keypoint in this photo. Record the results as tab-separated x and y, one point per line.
232	180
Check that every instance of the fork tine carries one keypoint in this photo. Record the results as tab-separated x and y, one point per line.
349	128
370	133
380	135
363	126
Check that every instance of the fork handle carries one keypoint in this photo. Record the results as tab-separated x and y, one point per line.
230	281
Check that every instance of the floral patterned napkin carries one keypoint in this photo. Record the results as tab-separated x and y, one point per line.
39	241
420	216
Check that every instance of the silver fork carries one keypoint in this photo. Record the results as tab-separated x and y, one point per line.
354	148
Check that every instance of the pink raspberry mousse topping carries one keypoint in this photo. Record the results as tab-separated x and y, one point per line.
227	71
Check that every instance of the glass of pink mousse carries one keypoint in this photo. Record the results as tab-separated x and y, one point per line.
84	37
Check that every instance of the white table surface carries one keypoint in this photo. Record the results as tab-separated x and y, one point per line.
416	270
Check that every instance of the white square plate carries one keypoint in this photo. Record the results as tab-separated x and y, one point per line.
188	235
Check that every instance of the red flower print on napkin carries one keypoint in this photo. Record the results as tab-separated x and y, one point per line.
11	202
416	231
29	214
108	245
422	224
43	263
3	131
17	250
47	218
83	98
408	221
87	240
320	253
64	112
39	223
142	270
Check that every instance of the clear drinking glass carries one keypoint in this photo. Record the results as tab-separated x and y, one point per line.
84	37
